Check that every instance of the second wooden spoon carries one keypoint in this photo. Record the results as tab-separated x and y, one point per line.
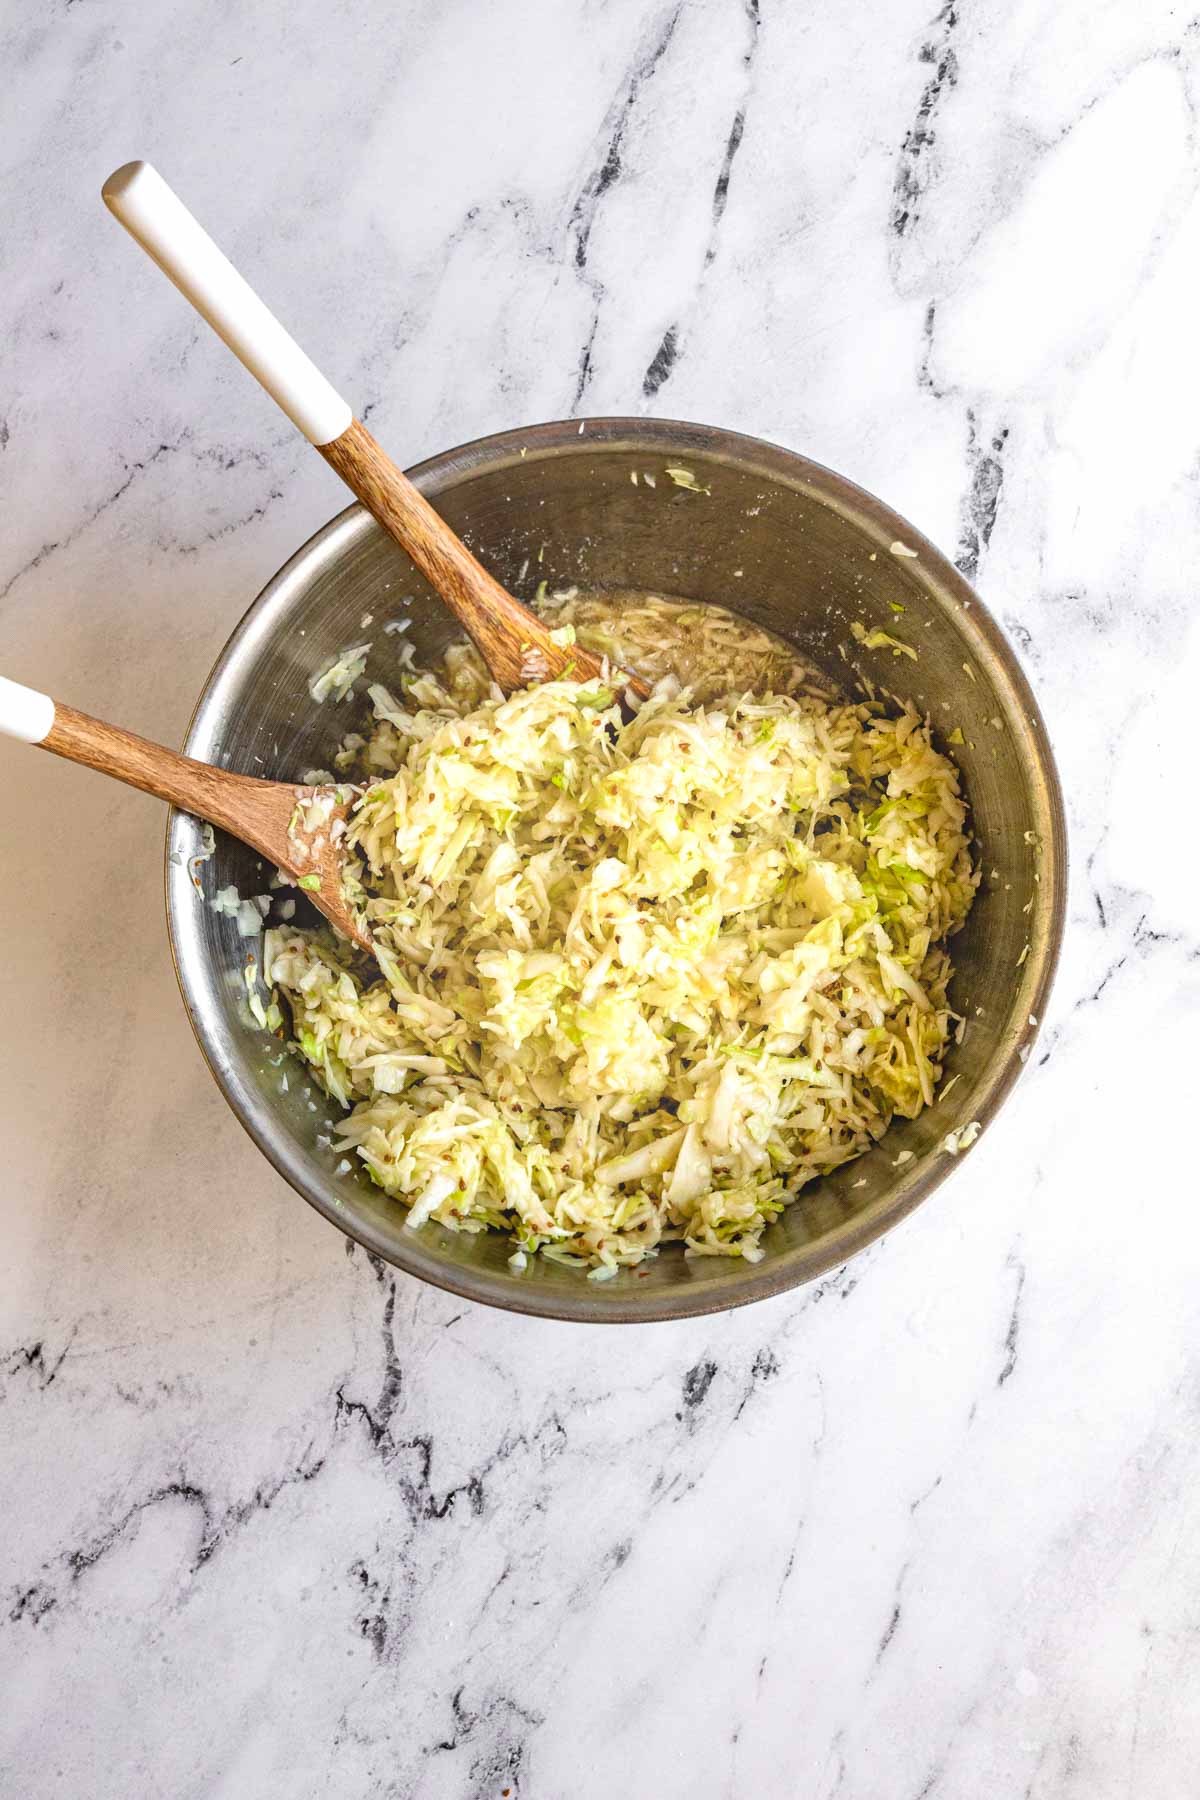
299	828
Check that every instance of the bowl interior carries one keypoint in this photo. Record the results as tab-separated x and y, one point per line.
776	538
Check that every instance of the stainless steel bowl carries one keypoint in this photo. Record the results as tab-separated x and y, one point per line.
790	545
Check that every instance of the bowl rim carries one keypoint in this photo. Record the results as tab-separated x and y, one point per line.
744	1283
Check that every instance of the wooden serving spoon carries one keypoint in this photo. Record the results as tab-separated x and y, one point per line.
515	644
299	828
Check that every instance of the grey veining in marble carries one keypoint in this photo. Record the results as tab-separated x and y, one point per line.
277	1522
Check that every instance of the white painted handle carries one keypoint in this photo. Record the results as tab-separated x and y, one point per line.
24	713
152	213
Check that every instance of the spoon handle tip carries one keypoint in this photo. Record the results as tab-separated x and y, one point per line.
156	217
24	713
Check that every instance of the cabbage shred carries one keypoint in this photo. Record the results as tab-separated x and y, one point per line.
643	979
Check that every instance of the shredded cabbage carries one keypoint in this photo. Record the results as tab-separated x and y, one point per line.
684	478
880	640
955	1142
642	979
339	677
208	849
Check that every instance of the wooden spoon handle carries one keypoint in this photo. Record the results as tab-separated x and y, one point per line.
514	643
241	804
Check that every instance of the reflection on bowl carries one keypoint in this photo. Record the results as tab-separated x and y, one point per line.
787	543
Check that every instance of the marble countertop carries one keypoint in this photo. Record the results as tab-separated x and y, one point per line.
278	1522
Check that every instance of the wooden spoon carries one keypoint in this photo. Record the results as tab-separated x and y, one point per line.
299	828
515	644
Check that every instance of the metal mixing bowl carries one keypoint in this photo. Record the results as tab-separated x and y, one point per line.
785	542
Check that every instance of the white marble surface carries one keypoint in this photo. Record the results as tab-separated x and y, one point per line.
278	1523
